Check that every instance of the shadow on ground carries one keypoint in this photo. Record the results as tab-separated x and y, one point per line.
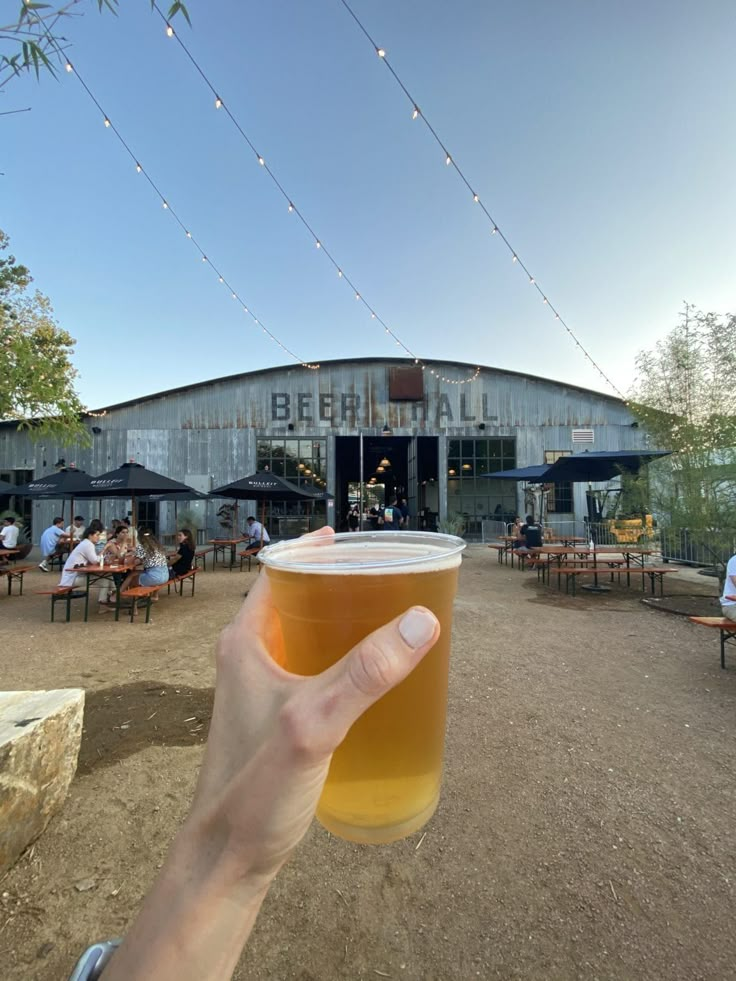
121	721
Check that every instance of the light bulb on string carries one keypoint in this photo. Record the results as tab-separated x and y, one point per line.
531	281
169	30
514	258
339	273
448	160
218	102
68	66
291	206
318	244
476	198
138	168
189	234
381	52
415	113
107	123
261	161
164	205
204	258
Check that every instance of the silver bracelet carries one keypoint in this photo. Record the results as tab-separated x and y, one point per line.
94	960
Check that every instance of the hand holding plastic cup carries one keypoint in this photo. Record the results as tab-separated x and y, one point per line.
330	593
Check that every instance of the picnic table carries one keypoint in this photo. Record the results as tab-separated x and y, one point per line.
221	545
561	552
96	573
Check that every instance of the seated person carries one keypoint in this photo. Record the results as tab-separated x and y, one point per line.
75	529
8	534
83	554
516	533
256	534
51	542
728	599
185	551
532	532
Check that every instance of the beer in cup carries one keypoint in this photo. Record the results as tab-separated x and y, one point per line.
330	593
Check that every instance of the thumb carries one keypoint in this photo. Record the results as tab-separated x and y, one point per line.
376	665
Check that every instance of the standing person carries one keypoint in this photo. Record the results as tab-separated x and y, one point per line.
81	555
257	534
50	541
728	600
185	551
392	516
405	515
75	529
152	565
353	519
9	534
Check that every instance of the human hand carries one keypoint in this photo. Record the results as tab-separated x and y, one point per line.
271	739
273	733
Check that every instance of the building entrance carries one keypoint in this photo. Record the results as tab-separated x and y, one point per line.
393	466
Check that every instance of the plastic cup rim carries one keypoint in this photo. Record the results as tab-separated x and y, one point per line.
272	555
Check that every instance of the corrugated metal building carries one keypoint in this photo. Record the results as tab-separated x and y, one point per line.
442	431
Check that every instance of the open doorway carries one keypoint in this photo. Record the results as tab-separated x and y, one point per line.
385	458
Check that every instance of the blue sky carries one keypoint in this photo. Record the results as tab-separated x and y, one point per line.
599	135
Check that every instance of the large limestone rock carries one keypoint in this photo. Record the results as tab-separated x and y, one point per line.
40	735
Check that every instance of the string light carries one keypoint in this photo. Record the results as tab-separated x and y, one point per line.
68	66
165	204
169	30
289	201
218	103
495	230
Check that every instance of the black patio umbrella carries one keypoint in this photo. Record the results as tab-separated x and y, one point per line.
61	485
6	488
266	486
600	465
530	474
132	480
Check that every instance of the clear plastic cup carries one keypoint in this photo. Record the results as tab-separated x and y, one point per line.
384	779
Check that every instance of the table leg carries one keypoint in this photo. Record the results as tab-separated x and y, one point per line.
86	599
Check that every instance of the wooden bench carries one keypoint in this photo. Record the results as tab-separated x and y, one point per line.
501	550
145	593
15	572
202	554
62	594
655	575
727	629
180	580
602	566
249	554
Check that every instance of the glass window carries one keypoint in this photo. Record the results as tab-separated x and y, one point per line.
476	497
304	463
560	496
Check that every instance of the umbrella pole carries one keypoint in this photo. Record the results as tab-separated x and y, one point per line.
263	520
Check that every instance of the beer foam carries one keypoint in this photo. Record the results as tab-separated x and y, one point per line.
364	556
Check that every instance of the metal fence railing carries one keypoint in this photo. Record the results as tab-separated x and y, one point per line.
697	548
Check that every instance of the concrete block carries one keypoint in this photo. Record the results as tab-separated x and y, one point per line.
40	735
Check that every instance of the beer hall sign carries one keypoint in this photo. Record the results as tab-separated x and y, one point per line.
346	409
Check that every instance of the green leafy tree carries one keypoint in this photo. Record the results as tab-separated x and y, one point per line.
37	380
34	42
684	397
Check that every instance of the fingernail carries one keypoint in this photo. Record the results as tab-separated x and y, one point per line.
417	626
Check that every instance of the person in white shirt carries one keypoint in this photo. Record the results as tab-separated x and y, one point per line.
81	555
9	534
728	600
74	531
257	534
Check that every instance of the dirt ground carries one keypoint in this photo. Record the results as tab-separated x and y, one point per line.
586	827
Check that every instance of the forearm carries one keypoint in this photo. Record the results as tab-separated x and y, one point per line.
195	921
